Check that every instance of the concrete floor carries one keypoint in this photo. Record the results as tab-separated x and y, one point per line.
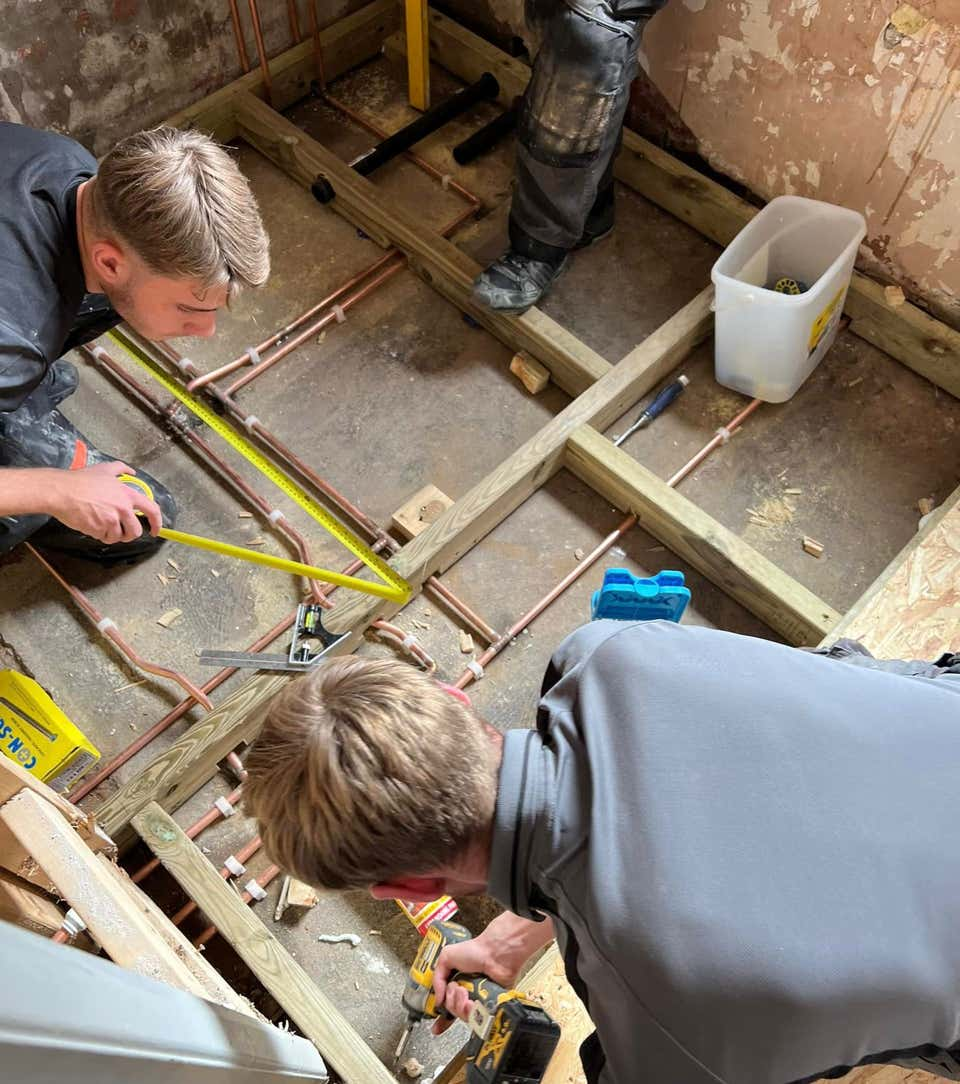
405	393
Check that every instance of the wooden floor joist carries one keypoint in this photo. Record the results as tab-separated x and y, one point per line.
114	921
722	556
444	266
315	1015
907	333
174	775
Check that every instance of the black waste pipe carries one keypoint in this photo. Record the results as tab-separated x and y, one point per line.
485	89
485	138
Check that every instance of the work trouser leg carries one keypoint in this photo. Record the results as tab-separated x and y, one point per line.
36	434
570	131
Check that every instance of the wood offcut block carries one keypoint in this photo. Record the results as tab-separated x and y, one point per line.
423	508
534	376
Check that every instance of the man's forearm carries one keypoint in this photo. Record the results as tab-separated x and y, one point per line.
27	490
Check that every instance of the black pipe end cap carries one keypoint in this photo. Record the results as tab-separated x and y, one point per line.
322	190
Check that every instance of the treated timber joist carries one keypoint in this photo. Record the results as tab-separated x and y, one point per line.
174	775
114	920
316	1016
191	760
183	767
345	44
723	557
905	332
439	262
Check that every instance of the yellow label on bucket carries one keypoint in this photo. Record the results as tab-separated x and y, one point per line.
36	734
822	322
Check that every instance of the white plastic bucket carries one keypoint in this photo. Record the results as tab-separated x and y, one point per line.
768	343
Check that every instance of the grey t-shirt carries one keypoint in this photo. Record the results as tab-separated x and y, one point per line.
44	307
751	852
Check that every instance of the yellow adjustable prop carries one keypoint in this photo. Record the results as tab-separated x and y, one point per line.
393	588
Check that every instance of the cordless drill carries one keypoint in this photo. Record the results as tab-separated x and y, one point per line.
512	1038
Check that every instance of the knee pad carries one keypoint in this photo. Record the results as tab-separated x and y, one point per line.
579	88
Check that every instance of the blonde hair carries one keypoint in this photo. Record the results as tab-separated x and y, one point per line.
180	201
366	770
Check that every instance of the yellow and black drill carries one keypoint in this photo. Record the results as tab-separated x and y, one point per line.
512	1038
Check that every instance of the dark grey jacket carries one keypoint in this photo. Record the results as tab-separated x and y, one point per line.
751	852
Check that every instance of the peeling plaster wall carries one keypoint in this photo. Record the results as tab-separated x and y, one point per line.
843	100
855	103
111	67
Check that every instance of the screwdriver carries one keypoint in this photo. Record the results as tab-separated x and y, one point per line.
655	409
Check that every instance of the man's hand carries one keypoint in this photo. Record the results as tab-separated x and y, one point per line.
95	502
499	953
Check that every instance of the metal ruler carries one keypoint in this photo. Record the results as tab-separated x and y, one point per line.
394	587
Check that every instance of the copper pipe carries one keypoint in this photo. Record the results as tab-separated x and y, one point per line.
317	45
434	586
101	358
294	20
172	716
61	937
107	628
236	766
571	577
261	49
263	880
210	817
408	643
245	359
244	854
360	519
721	437
491	653
348	302
368	288
238	36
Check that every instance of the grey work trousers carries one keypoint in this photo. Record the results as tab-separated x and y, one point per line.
571	122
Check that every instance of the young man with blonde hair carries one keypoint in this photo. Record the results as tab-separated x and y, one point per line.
748	853
161	235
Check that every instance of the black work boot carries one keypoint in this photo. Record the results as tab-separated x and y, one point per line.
599	222
38	435
516	282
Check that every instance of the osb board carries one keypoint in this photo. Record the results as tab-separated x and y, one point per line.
915	611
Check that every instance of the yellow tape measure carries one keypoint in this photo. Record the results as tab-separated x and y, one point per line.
394	587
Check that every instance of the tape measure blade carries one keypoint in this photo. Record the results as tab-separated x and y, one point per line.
400	589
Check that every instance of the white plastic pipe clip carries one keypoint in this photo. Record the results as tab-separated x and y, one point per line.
99	353
104	624
73	924
339	314
475	668
237	868
226	807
249	422
186	366
254	891
254	355
724	434
408	642
276	515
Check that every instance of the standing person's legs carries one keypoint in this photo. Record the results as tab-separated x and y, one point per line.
36	434
568	137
